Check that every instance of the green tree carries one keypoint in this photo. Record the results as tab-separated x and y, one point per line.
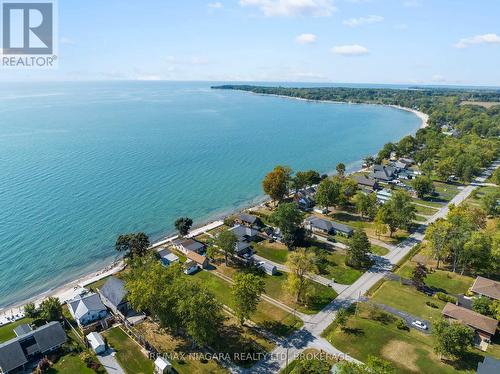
133	244
423	186
312	177
374	365
183	225
51	309
366	204
341	317
398	212
445	168
340	168
453	339
385	152
357	250
438	236
427	167
348	188
247	289
418	276
490	202
482	305
226	241
212	252
30	310
328	193
289	219
311	366
301	265
275	183
476	253
495	309
406	146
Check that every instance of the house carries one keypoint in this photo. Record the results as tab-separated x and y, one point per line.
22	329
87	309
304	202
408	161
162	365
383	173
185	245
490	365
325	226
96	342
200	260
19	351
383	196
249	220
190	267
399	165
114	296
363	181
268	268
245	236
484	327
167	257
486	287
406	174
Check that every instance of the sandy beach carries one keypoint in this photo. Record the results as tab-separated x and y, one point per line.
73	288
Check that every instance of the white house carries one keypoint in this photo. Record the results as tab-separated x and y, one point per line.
162	365
96	342
167	257
190	267
87	309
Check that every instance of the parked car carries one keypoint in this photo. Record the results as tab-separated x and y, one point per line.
419	324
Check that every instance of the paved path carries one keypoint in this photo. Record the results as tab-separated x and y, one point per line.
309	335
108	360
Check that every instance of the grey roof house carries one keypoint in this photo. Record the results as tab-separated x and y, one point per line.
87	309
249	219
245	236
383	173
17	352
185	245
363	181
328	227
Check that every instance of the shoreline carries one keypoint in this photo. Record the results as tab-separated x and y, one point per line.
70	289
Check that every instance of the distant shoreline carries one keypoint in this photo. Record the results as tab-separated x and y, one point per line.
66	290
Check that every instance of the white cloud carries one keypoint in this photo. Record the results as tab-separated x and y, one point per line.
290	8
216	5
306	38
354	22
350	50
478	39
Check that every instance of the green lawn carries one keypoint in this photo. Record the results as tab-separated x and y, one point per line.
128	353
446	191
378	250
70	364
267	315
7	331
409	351
339	271
425	210
408	299
429	203
272	251
419	218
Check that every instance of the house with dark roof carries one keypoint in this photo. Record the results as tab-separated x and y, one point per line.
87	309
486	287
114	295
246	235
19	351
185	245
363	181
325	226
484	327
383	173
490	365
248	220
167	257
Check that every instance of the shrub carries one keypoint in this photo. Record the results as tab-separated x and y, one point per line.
431	304
445	297
401	324
87	358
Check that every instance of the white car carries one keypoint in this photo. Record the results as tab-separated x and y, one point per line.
419	324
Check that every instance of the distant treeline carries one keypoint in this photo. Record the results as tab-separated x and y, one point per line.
476	129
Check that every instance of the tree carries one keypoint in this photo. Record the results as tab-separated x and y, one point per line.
226	241
30	310
348	188
427	167
183	225
341	317
406	145
423	186
366	204
311	365
398	212
358	250
490	202
301	264
134	244
476	253
328	193
247	289
380	226
452	339
495	309
482	305
437	234
445	168
275	183
289	219
374	365
418	276
386	151
340	169
368	160
312	177
51	309
212	252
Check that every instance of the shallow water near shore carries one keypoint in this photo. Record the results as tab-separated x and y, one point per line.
83	162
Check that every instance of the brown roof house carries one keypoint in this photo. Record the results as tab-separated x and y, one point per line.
485	327
486	287
194	262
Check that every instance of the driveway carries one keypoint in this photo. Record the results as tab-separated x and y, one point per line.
408	318
108	360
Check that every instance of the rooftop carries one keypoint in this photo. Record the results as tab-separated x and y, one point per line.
486	287
471	318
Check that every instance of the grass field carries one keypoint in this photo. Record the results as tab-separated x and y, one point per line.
70	364
275	252
378	250
426	211
128	353
409	351
338	270
7	331
267	315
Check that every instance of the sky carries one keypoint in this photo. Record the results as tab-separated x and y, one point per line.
449	42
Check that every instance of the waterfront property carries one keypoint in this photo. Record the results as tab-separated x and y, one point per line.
249	220
484	327
198	259
364	182
246	235
185	245
383	173
167	257
96	342
486	287
30	345
325	226
87	309
114	296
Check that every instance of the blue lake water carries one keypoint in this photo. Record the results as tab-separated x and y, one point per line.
82	162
